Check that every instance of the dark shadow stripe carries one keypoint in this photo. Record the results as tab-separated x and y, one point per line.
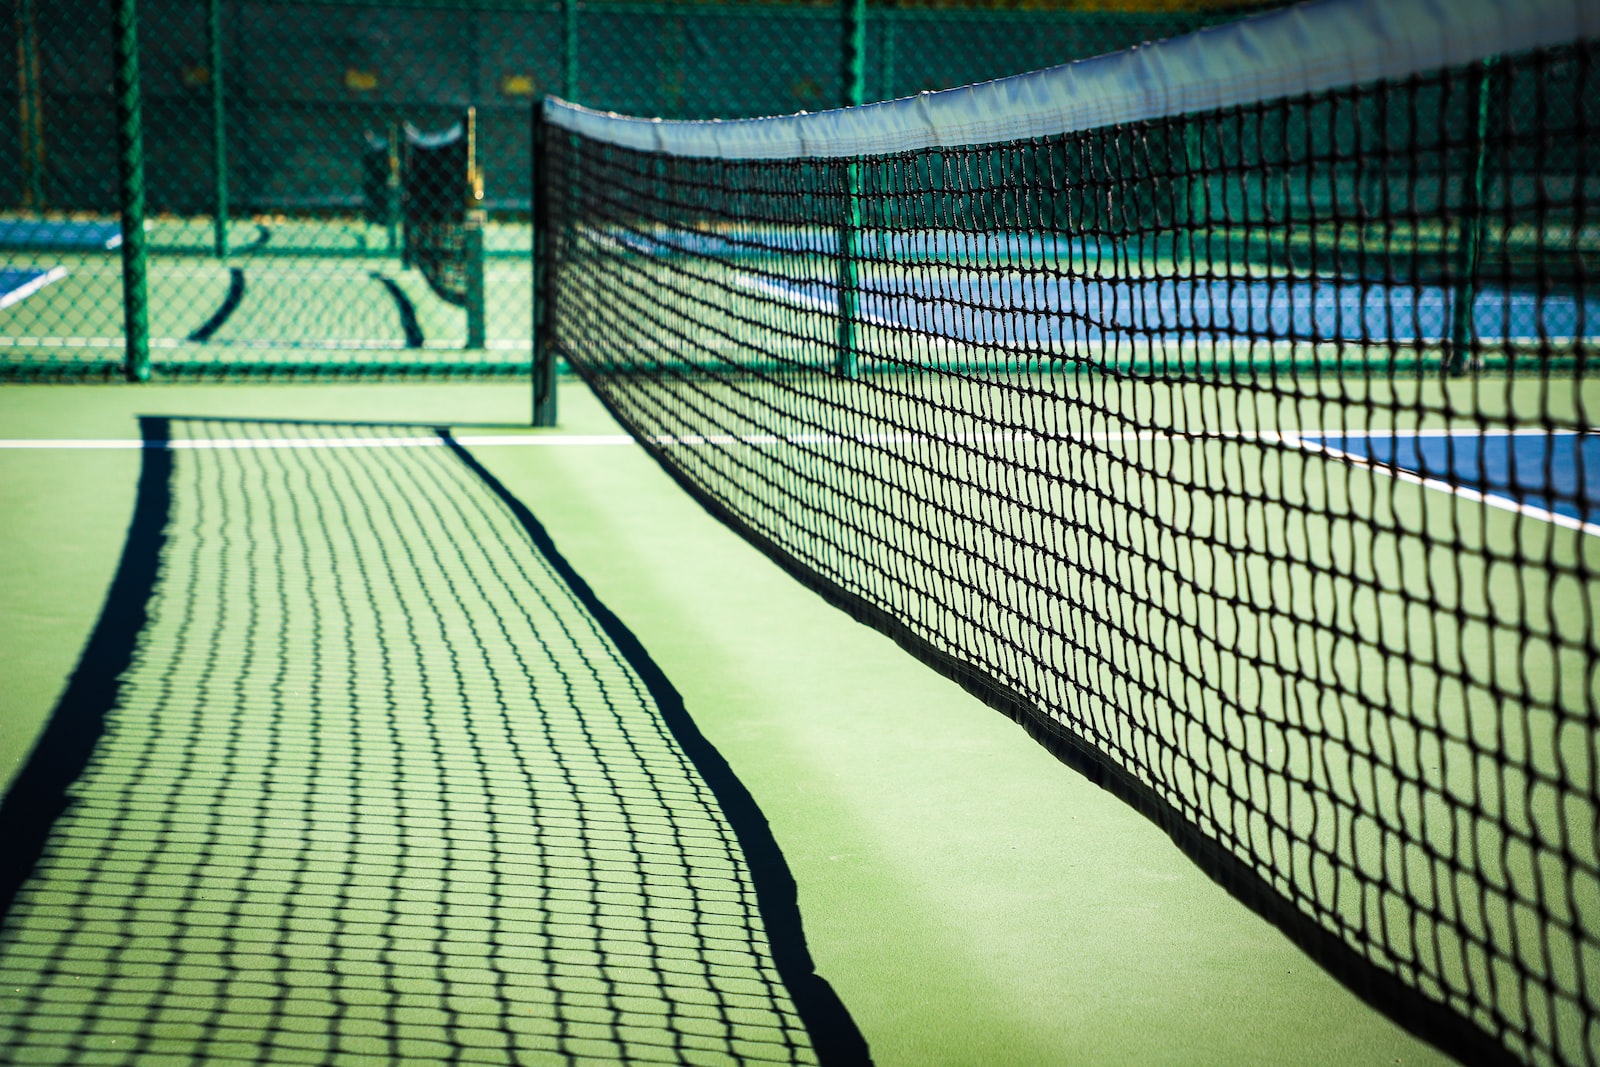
833	1032
263	235
408	312
230	304
38	796
1424	1017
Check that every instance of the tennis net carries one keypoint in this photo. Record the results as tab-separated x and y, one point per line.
1220	410
441	188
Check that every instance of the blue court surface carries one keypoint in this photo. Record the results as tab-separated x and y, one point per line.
19	283
1558	473
61	235
1026	301
1041	311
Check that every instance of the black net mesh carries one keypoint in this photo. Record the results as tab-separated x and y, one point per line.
1243	456
438	188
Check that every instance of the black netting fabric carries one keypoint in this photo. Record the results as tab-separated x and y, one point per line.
1243	454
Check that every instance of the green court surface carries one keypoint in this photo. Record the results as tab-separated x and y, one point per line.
289	293
968	898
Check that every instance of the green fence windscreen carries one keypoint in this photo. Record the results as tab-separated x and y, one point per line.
270	128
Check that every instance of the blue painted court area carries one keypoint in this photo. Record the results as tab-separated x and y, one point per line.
1553	472
1043	312
1046	292
19	283
61	235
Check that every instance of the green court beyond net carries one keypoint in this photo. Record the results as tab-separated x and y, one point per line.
1220	410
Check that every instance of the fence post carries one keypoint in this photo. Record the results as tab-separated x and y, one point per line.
219	126
30	108
854	27
476	316
569	50
475	220
391	191
854	41
544	349
130	174
1469	233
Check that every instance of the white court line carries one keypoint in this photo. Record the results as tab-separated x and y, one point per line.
33	285
1504	503
223	444
384	345
1295	440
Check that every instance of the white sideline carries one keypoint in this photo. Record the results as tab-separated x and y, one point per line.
1295	439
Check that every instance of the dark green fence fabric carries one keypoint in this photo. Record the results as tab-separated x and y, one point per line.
273	247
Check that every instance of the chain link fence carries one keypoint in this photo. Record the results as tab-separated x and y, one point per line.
271	138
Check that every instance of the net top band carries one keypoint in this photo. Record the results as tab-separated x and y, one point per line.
1308	48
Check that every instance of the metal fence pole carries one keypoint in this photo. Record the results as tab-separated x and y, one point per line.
219	126
854	46
131	189
854	27
1469	232
30	108
569	49
476	221
544	349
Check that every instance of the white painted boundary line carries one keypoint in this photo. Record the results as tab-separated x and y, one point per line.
28	288
1294	440
224	444
383	345
1504	503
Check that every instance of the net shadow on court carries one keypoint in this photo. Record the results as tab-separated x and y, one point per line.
355	766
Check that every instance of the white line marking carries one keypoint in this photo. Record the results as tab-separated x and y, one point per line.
33	285
285	345
1296	440
1504	503
247	443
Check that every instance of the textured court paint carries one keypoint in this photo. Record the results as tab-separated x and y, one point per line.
358	695
972	900
63	519
64	514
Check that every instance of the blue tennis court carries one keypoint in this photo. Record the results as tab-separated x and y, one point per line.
62	235
1063	291
19	283
1555	472
1044	311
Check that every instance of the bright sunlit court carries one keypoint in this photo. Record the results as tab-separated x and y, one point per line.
1055	549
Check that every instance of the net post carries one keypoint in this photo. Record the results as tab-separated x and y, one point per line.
1470	231
131	190
544	355
219	126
